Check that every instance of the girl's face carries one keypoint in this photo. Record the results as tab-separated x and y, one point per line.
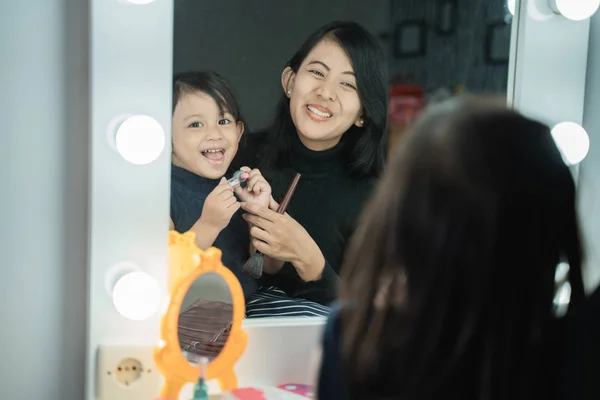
324	100
204	139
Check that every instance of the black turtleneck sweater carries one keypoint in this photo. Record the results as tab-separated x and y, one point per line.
327	203
188	193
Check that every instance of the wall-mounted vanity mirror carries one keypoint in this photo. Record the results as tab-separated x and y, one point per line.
288	91
202	336
282	90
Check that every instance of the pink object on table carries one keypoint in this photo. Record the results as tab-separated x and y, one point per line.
249	394
302	390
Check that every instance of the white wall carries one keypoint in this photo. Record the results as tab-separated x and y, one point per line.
589	178
43	198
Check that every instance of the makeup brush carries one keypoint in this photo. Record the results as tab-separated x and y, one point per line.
254	266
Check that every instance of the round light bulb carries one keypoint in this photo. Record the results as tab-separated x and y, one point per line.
562	298
561	273
577	10
140	139
563	294
572	141
511	4
136	296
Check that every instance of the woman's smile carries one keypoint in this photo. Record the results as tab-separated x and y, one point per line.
318	113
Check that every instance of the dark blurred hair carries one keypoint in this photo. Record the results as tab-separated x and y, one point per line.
459	247
210	83
364	147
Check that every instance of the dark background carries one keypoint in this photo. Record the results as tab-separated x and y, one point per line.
249	41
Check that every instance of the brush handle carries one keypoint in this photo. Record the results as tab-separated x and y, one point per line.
288	195
281	209
255	264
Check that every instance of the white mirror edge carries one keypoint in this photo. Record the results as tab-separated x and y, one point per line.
284	321
131	57
548	82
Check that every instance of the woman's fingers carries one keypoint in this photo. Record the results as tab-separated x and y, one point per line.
256	220
260	211
260	234
261	246
273	205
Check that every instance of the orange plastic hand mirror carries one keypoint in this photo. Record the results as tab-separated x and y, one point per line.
187	263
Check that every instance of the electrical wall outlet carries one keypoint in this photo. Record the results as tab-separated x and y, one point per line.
127	373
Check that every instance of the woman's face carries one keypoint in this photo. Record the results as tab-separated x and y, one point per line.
324	100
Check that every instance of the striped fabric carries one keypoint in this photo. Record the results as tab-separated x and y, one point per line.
203	328
273	302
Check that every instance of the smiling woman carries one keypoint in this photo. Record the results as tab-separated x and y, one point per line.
324	100
330	127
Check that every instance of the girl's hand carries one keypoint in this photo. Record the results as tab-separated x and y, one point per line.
219	207
283	238
257	190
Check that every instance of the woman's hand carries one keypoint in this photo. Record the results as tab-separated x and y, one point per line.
281	237
257	190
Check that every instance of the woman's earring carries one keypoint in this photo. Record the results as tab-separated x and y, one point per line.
361	122
289	92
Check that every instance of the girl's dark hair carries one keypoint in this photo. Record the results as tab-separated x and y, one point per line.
365	147
210	83
459	247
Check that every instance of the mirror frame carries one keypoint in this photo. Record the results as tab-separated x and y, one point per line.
124	225
186	263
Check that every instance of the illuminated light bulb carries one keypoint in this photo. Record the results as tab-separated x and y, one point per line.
561	273
140	139
572	141
562	299
511	5
576	10
136	296
563	295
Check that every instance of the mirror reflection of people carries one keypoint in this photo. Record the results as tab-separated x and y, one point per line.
330	126
207	127
448	286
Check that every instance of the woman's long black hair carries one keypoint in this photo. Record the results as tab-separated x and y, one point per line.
451	273
364	147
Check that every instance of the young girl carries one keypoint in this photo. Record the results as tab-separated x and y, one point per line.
207	127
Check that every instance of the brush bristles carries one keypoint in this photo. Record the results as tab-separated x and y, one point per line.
254	266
